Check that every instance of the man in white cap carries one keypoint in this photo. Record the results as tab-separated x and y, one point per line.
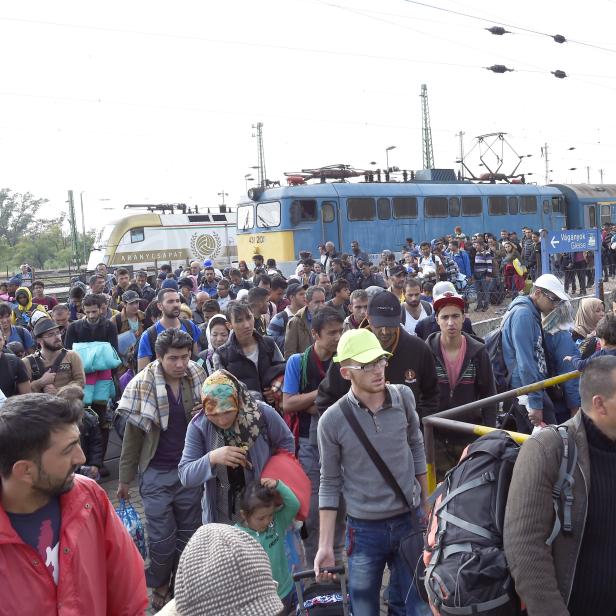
523	345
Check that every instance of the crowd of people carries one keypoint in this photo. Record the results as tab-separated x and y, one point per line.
208	374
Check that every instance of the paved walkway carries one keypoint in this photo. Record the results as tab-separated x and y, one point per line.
111	487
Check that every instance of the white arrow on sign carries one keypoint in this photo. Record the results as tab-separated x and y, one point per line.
554	241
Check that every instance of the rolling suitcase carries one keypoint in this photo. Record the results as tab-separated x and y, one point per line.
326	599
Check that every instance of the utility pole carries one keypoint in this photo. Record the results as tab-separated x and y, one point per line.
83	229
222	194
73	225
587	174
546	155
426	130
601	175
460	135
261	154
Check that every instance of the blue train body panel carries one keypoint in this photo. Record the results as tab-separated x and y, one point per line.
383	215
588	205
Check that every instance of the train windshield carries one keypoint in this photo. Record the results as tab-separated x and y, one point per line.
105	236
245	217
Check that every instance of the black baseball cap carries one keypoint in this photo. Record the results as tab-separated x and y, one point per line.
396	270
294	287
384	310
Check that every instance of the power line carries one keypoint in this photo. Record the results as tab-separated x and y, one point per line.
558	38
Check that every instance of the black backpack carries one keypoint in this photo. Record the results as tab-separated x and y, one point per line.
467	571
152	334
494	346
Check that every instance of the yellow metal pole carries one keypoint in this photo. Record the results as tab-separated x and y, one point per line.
518	437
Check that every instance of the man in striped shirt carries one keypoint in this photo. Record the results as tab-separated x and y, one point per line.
483	274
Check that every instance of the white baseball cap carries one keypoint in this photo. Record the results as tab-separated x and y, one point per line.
549	282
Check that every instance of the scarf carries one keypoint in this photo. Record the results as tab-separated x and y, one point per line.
560	319
585	320
145	402
222	392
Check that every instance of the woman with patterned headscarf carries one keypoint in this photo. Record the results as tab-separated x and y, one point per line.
228	443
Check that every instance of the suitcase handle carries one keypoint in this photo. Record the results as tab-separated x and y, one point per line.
309	573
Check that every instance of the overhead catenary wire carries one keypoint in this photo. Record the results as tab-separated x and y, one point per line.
558	38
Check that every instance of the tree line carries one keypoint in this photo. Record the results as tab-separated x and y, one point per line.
27	236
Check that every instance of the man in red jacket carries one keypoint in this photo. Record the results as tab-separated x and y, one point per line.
63	549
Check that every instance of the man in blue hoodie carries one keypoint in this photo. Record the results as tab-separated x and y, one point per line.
523	343
460	257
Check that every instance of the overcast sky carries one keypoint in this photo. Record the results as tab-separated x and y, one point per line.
154	101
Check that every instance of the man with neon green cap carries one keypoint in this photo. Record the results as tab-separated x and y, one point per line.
380	512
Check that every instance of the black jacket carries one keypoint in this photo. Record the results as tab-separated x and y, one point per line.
428	326
91	439
82	331
412	364
475	381
270	363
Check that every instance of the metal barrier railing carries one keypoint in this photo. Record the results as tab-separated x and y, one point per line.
451	419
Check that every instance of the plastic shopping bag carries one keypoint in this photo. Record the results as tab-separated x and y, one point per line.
132	522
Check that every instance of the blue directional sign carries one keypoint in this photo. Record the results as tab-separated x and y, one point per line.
574	240
577	240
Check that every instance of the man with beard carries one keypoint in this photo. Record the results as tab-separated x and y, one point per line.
169	305
158	404
61	315
411	362
396	278
52	368
43	504
95	328
414	309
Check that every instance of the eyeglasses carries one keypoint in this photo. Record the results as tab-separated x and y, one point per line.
371	367
553	298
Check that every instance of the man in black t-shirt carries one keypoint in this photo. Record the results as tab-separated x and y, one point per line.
13	374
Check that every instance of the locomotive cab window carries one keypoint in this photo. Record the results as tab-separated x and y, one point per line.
303	210
514	207
137	235
472	206
436	207
528	205
546	206
497	206
361	208
268	215
245	217
383	208
405	207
